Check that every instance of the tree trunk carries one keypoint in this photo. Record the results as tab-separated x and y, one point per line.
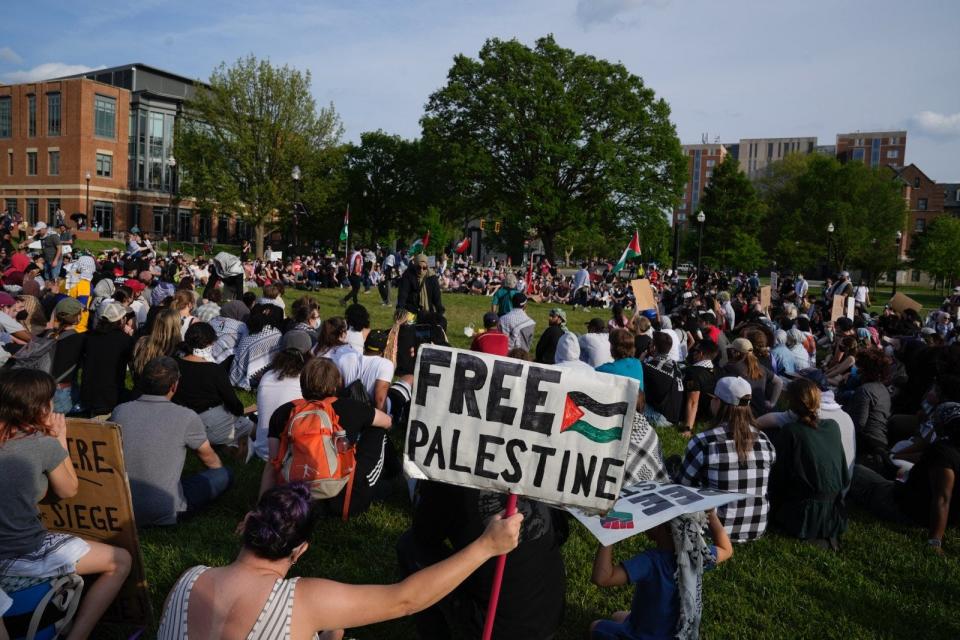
259	232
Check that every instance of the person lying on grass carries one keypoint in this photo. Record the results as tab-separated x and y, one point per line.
252	597
667	599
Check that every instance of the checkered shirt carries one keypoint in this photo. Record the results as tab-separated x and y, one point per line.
711	461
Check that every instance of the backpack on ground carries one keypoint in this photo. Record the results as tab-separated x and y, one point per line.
37	354
315	449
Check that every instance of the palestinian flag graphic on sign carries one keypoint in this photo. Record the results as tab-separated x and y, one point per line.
617	520
593	420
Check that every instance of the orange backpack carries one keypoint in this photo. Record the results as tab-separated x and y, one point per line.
314	449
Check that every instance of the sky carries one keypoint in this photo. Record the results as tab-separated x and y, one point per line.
732	69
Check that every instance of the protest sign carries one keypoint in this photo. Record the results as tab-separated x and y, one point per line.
644	506
643	294
765	298
775	284
851	305
900	303
838	308
102	510
554	434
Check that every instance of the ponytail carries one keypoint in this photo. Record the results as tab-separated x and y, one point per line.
741	426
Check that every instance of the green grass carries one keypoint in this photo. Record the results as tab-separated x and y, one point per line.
884	582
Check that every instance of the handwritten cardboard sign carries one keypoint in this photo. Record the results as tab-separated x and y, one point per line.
643	294
838	308
550	433
102	510
901	303
765	297
644	506
775	283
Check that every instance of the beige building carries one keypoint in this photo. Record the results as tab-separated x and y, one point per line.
756	154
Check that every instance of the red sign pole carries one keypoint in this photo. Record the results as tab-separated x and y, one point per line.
498	576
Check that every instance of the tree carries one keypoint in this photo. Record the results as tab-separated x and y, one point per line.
242	135
807	193
734	214
936	249
550	140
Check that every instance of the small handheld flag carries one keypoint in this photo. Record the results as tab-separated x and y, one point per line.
345	232
630	253
420	245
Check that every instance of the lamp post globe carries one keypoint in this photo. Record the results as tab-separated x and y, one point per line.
701	218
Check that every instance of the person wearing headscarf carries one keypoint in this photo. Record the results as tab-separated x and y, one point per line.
419	290
82	289
668	579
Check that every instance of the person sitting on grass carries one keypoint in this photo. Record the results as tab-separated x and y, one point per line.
253	598
33	461
811	474
491	340
699	379
667	599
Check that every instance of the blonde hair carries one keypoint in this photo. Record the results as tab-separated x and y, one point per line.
162	340
36	318
641	324
183	299
803	398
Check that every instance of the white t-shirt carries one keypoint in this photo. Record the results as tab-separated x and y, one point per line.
272	392
355	339
595	349
860	294
347	360
10	325
372	370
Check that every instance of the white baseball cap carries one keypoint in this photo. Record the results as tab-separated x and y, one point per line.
40	226
733	390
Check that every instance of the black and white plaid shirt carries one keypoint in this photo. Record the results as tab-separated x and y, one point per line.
711	461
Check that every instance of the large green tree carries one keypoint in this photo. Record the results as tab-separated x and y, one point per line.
242	135
734	214
937	250
805	194
550	141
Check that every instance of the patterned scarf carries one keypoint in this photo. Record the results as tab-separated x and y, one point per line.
692	554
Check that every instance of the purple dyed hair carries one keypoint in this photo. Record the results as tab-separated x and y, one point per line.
283	520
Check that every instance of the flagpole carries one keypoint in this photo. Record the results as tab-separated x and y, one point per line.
346	242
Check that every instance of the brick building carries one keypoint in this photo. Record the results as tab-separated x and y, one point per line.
702	159
757	154
877	148
951	198
925	200
101	144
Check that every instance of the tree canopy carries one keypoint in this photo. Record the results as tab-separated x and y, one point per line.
937	250
734	214
552	141
244	133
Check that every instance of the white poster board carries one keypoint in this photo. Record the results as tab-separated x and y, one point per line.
549	433
645	505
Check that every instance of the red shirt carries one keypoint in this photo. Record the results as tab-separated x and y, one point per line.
493	342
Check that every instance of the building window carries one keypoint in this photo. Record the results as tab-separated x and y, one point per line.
159	220
875	153
184	227
104	165
223	229
895	140
922	204
769	150
858	155
31	115
957	195
9	163
104	116
893	153
916	182
53	163
11	206
52	205
920	225
710	163
31	163
134	216
915	275
858	142
709	174
53	114
6	118
33	210
204	232
103	216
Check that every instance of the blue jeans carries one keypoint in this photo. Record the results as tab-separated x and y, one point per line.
203	488
51	271
65	399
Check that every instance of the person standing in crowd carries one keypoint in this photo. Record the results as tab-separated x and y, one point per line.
252	597
155	456
733	456
51	250
502	301
33	462
419	289
355	276
595	344
517	325
491	339
811	474
547	345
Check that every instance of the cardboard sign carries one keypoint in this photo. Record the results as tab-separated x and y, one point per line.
550	433
839	307
102	510
774	283
643	294
851	305
765	297
644	506
901	303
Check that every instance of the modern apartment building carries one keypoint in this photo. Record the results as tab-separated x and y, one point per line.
875	148
101	144
757	154
701	161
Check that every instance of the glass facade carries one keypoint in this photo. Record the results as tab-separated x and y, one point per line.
6	117
184	218
104	116
103	216
160	220
53	114
150	144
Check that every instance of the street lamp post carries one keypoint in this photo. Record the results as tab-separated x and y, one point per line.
897	263
700	218
172	163
297	185
88	198
830	230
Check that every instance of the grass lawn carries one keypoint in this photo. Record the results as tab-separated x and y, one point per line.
884	582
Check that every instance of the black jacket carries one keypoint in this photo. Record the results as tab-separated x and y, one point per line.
408	293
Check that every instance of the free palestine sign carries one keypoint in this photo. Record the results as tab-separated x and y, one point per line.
549	433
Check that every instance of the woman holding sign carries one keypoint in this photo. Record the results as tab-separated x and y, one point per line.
33	459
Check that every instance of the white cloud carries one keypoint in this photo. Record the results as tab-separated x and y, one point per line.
46	71
9	55
591	12
936	125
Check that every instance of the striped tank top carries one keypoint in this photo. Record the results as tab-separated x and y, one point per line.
273	623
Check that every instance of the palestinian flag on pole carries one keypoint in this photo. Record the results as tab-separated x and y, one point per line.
593	420
344	233
462	246
632	252
420	245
